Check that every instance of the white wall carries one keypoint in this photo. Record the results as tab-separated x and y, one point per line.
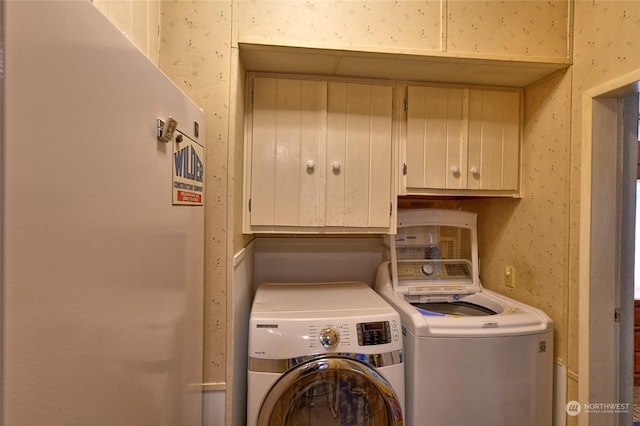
242	297
213	408
318	259
102	276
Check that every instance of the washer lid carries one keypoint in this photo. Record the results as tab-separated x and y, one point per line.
348	299
435	252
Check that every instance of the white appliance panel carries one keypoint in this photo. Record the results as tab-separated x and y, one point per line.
319	300
512	318
102	276
286	321
317	259
278	340
471	357
512	375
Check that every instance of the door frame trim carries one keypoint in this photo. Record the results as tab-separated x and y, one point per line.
597	279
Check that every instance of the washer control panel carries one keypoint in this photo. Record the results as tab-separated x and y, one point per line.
441	270
374	333
279	339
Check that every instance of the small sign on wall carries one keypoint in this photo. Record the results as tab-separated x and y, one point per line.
188	171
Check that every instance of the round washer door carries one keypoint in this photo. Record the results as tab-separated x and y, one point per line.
332	390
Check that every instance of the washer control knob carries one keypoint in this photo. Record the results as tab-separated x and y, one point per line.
329	337
427	269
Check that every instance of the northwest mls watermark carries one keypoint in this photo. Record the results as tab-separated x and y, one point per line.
574	408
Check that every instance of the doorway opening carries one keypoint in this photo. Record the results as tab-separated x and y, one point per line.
636	294
607	245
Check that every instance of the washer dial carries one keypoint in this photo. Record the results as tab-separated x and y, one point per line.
427	269
329	337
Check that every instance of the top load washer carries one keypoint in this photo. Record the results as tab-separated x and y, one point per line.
324	354
472	356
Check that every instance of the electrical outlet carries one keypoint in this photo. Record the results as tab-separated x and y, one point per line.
510	276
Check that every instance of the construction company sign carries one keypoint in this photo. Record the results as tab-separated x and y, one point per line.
188	172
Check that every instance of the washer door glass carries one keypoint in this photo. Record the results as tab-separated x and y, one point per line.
331	391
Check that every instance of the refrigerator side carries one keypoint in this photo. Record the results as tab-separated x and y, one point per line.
102	274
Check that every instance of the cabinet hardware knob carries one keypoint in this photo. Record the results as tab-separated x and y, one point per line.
336	166
474	171
455	170
311	165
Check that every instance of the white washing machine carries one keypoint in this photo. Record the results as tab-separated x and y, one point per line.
472	356
324	354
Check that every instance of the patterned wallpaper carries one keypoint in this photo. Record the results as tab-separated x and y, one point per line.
485	28
362	24
196	54
509	28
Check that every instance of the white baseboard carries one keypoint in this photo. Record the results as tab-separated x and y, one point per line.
559	394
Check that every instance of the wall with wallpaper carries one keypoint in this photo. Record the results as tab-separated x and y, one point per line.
537	234
195	51
488	29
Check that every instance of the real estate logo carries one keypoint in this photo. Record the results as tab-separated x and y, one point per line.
573	408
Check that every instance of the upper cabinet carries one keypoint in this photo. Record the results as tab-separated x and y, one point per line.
318	156
324	155
462	141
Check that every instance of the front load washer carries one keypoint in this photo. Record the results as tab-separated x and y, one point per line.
324	354
472	356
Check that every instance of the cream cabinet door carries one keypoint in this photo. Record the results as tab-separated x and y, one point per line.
460	140
320	156
359	134
436	147
494	140
287	153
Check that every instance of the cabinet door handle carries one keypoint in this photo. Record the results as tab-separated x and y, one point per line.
336	167
455	170
311	166
474	171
